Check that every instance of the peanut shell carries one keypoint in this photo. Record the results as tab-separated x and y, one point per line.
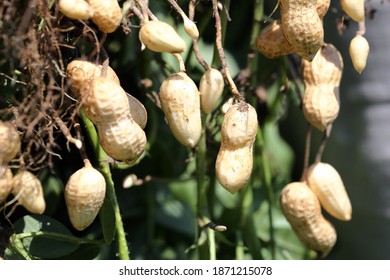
10	142
302	210
354	9
5	183
75	9
210	88
180	102
84	196
27	187
358	50
123	139
107	14
321	105
159	36
324	180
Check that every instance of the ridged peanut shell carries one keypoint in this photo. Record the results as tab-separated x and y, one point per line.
271	41
190	28
354	9
75	9
233	167
239	126
210	88
84	196
358	50
80	72
104	101
302	210
302	26
10	142
159	36
27	187
5	183
326	67
122	140
180	102
321	105
324	180
107	14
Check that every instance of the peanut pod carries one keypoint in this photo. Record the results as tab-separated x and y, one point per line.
324	180
75	9
27	187
84	196
107	14
123	139
180	102
302	26
210	88
358	50
354	9
234	162
10	142
159	36
302	210
5	183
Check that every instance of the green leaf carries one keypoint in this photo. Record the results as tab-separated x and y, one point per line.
107	220
86	251
45	245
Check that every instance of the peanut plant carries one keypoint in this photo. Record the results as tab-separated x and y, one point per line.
151	129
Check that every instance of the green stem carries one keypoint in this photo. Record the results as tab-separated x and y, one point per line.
104	168
268	184
59	237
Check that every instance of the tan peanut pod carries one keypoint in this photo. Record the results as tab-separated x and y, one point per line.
302	26
137	111
354	9
107	14
75	9
302	210
180	102
239	126
271	41
84	196
80	72
321	105
324	180
190	28
326	67
233	167
159	36
358	50
5	183
123	140
234	162
210	88
10	142
27	187
104	101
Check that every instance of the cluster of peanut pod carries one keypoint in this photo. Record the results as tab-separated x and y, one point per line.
120	118
300	31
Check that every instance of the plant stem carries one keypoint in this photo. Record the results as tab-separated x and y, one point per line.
59	237
324	140
104	168
306	156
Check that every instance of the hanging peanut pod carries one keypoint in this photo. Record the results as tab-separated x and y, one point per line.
234	162
79	72
107	14
104	101
354	9
324	180
5	183
190	28
159	36
123	139
321	105
302	210
28	189
9	142
302	27
180	102
210	88
359	50
84	196
75	9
